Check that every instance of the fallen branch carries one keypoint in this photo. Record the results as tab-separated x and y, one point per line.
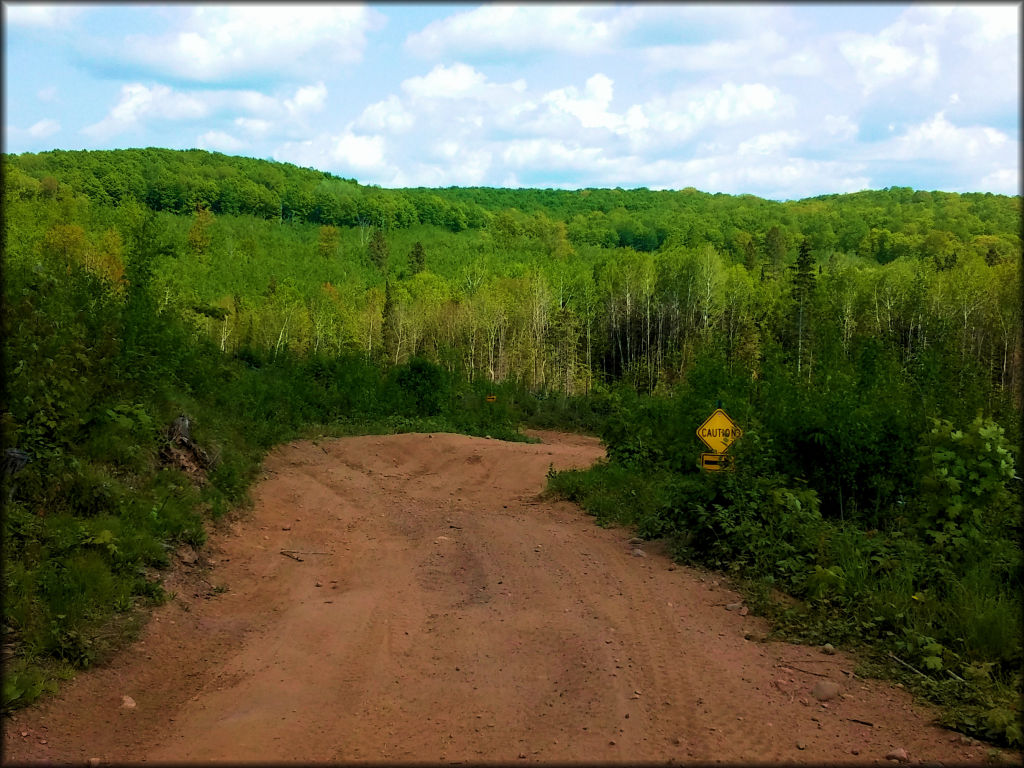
862	722
805	671
292	552
912	669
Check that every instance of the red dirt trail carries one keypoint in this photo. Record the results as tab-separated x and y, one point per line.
451	613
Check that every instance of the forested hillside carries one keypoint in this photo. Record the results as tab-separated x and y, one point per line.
870	345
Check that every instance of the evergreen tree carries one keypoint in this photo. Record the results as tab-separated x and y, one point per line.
803	287
379	251
775	245
417	258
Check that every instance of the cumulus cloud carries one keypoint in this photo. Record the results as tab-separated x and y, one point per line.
518	29
1004	181
456	81
220	43
253	125
44	128
969	158
308	98
348	152
389	115
220	142
140	104
939	139
717	55
40	15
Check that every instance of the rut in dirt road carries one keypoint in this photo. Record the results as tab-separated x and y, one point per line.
432	606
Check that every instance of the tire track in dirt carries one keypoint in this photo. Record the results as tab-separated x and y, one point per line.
451	613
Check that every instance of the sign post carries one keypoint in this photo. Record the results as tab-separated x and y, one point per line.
718	432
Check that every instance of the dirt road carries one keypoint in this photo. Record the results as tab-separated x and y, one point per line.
441	611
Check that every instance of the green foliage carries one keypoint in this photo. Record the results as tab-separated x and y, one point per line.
258	298
965	476
423	387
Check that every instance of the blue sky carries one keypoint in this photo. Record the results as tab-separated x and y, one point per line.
780	101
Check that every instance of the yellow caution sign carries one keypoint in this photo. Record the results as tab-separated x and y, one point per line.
719	431
491	398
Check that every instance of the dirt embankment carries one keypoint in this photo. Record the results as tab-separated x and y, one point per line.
431	607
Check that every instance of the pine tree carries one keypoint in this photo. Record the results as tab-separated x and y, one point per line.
803	287
379	251
417	258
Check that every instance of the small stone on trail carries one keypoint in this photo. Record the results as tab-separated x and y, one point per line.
188	555
801	745
899	754
286	527
733	606
93	761
611	743
828	648
854	751
24	734
128	702
824	690
639	553
318	584
636	540
744	611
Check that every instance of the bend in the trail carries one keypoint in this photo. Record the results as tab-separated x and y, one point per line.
415	598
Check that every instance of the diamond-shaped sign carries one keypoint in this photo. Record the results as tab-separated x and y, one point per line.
719	431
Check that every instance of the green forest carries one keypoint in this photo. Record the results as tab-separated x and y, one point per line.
869	345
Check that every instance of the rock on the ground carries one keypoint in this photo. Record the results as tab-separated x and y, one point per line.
188	555
828	648
128	702
639	553
899	754
825	690
733	606
93	762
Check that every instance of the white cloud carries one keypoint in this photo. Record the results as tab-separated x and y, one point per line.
879	62
40	15
939	139
346	152
44	128
769	143
223	42
1004	181
220	142
717	55
518	29
388	115
590	108
253	125
308	98
454	82
839	127
140	102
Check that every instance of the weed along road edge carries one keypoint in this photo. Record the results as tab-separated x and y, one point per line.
414	598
